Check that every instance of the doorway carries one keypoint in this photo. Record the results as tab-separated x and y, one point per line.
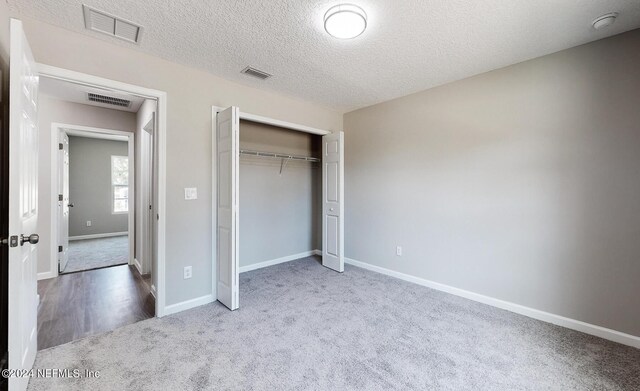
95	280
95	182
152	117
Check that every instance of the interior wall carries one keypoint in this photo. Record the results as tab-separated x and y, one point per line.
191	93
51	110
280	214
90	186
520	184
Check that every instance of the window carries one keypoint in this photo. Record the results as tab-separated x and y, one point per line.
120	184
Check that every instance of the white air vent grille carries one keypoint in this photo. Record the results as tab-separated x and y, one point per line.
256	73
103	22
109	100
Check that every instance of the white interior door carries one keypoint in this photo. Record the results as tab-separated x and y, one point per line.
227	157
63	201
23	202
333	201
147	197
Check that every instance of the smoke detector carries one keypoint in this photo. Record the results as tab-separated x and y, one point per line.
604	20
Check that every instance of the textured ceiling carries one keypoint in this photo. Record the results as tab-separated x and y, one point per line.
409	45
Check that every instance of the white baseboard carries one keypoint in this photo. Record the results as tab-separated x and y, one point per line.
598	331
154	292
97	236
188	304
276	261
46	275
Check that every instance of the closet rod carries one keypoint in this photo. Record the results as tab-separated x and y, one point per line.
279	156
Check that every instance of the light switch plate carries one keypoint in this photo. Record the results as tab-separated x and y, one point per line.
190	193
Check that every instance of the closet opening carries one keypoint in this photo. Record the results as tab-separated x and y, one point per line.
279	196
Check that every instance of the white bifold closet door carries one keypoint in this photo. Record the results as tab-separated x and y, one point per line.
333	201
227	157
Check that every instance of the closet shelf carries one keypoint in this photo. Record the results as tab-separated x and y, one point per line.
279	156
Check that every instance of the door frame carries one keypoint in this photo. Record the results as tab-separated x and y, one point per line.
214	217
161	134
87	131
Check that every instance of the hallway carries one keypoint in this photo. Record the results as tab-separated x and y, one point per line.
87	303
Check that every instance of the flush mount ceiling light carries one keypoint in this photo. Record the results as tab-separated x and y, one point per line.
345	21
605	20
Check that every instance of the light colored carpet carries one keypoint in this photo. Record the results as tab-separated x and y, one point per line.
304	327
94	253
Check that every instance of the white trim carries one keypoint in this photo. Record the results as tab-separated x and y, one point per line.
598	331
153	291
275	122
161	112
188	304
97	236
276	261
46	275
138	266
99	136
214	203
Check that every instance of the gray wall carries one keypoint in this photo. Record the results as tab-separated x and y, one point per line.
522	184
90	186
51	110
190	95
280	215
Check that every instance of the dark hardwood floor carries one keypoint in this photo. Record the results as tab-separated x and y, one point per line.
86	303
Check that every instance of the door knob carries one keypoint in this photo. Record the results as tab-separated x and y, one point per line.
32	239
70	205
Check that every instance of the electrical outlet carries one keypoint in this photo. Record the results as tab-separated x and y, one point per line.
88	223
187	272
399	251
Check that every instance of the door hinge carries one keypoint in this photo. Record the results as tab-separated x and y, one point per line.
60	146
59	249
60	197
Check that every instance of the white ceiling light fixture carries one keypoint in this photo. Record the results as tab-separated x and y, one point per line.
345	21
604	20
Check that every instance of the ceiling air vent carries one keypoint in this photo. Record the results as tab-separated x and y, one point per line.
109	100
105	23
256	73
